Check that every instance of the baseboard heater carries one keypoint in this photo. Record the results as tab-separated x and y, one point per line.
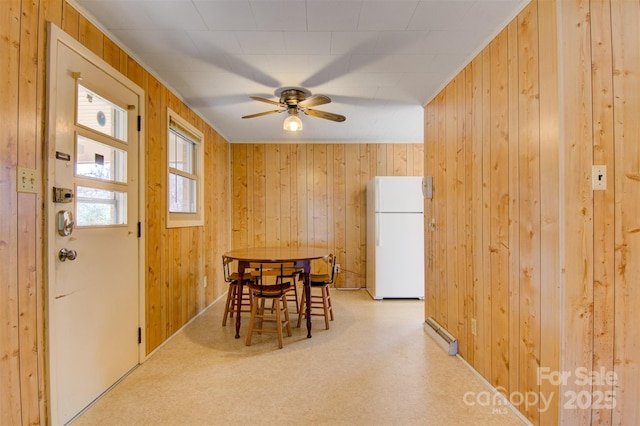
442	337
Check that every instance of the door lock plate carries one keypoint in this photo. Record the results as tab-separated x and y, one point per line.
62	195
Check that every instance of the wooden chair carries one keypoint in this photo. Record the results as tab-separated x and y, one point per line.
322	300
261	291
291	275
232	279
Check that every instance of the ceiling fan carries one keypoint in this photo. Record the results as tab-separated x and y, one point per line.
294	100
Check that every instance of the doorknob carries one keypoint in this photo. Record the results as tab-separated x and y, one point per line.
65	254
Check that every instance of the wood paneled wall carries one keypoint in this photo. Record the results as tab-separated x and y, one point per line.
492	256
601	64
313	195
547	267
177	260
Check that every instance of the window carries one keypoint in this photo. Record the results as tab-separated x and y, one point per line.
185	161
101	160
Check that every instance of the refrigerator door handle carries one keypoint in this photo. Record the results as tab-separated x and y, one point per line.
378	235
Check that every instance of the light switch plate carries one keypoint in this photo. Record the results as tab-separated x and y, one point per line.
27	180
599	178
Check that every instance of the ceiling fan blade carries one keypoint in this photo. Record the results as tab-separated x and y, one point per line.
263	113
326	115
314	100
269	101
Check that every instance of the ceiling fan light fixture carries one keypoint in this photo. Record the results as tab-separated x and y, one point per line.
292	123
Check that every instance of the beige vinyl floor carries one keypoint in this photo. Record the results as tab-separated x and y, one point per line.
375	366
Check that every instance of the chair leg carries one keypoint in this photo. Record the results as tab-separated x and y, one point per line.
325	307
228	306
330	306
254	308
279	324
295	293
301	311
261	314
286	314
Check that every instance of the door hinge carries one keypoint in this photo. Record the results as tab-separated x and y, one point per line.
139	335
139	230
139	123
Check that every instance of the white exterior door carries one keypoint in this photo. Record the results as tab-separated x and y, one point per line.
92	229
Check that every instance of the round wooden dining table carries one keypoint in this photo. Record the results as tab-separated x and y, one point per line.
300	256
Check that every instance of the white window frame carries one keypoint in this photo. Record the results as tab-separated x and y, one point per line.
179	220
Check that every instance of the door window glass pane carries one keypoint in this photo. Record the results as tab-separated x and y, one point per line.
101	115
182	193
100	161
100	207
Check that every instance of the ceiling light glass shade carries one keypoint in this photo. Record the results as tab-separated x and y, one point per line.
292	123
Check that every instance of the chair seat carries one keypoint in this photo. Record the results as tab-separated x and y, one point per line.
273	290
319	279
235	276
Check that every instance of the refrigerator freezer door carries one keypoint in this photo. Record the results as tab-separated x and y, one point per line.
399	256
399	194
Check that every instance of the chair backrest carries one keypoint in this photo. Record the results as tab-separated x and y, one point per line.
271	270
332	266
328	277
226	268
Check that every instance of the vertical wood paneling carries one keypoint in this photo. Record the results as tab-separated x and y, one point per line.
529	207
258	213
603	201
429	249
451	211
625	18
460	171
90	36
285	198
499	198
399	160
352	232
440	216
549	206
155	320
70	20
301	195
240	206
272	180
10	372
513	49
467	183
485	321
28	242
111	53
320	197
475	71
330	237
533	198
578	197
340	209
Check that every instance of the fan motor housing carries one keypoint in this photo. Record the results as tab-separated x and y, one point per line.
292	96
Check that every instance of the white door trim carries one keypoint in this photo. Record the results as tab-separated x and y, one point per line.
58	36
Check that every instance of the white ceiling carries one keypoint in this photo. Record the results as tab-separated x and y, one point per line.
379	61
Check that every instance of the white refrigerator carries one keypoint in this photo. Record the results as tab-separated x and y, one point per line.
395	237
